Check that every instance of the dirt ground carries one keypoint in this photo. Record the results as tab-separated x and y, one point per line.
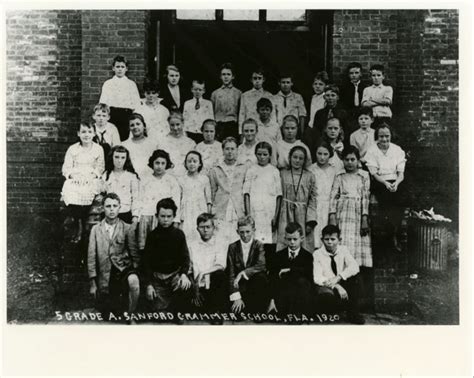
33	266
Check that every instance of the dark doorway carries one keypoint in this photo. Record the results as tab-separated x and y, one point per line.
199	47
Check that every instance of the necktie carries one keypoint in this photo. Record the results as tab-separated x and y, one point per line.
330	114
284	101
333	265
197	104
102	140
356	95
292	255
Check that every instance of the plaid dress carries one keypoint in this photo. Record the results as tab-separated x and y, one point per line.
349	201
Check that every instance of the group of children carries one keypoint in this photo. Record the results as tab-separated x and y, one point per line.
181	177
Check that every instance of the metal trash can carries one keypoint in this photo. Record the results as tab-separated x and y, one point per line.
428	242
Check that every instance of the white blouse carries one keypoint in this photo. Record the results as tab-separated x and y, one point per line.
388	163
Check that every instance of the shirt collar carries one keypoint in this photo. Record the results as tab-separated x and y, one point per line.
119	78
377	86
283	95
229	86
246	245
358	83
211	241
327	253
296	251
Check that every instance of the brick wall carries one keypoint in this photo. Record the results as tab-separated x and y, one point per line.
43	104
105	34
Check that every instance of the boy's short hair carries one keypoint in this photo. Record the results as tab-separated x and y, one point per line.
350	150
322	76
121	59
286	75
171	67
365	110
198	81
102	108
227	66
264	145
354	65
228	140
250	121
293	227
209	121
204	217
113	196
166	203
176	114
377	67
264	103
160	154
246	220
331	229
382	125
327	146
332	87
259	71
89	125
151	86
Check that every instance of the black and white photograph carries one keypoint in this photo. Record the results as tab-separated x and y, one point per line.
232	167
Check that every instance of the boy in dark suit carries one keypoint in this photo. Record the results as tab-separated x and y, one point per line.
349	99
248	282
113	259
291	275
173	93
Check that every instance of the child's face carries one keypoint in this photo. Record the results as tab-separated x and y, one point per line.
365	121
354	74
159	166
120	69
209	132
119	159
290	129
226	76
286	84
176	126
322	155
264	112
151	96
331	98
249	131
165	217
318	86
101	117
350	163
384	137
192	163
197	90
331	241
263	156
111	208
333	129
230	151
294	240
173	78
86	134
246	233
297	159
377	77
206	229
137	128
257	80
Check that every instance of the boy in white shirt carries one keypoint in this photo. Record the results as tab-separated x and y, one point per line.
196	111
208	260
121	95
335	273
378	96
106	133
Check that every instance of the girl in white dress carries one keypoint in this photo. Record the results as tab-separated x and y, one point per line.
196	197
324	172
210	149
262	193
82	168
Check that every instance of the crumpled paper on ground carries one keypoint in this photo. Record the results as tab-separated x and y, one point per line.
429	215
